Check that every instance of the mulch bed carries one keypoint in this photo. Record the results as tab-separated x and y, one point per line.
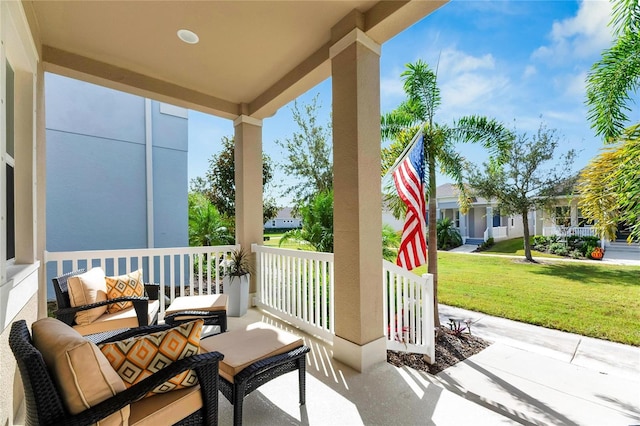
450	349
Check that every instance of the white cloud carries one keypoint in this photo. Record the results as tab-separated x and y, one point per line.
467	82
453	61
529	71
580	36
575	85
391	87
469	89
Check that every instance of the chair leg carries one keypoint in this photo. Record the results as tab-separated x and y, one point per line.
238	399
302	364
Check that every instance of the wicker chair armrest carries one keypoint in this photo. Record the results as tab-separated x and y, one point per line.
133	332
152	290
103	303
205	365
261	366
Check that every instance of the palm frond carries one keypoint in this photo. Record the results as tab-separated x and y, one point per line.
609	85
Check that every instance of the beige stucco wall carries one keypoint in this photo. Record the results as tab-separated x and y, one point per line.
12	390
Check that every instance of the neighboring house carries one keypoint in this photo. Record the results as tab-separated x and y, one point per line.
116	169
284	220
564	218
482	221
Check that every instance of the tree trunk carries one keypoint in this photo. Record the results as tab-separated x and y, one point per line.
432	249
527	243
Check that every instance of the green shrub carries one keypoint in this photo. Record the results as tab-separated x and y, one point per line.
594	241
540	243
574	241
558	248
575	254
587	248
487	244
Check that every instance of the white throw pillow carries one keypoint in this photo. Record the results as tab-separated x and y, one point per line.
85	289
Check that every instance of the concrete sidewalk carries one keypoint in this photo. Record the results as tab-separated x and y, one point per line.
534	375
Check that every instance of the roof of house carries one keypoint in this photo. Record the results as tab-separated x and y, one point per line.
449	190
285	213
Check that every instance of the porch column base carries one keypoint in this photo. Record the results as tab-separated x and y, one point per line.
360	358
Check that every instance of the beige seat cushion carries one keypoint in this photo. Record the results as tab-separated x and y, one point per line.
82	373
243	347
167	408
121	319
213	302
85	289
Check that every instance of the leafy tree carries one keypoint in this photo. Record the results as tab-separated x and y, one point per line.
609	187
207	227
219	187
308	155
616	75
417	113
317	224
615	173
523	182
448	236
390	242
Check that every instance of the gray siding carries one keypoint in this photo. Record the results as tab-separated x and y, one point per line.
96	170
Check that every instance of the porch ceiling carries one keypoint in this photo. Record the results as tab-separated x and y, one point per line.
252	58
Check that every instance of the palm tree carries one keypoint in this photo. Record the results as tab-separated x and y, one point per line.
317	224
448	234
610	84
617	74
417	113
207	227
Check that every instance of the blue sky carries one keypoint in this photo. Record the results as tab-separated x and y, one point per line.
521	62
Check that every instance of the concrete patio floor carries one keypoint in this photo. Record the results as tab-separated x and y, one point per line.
529	375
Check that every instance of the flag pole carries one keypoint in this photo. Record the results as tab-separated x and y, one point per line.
404	153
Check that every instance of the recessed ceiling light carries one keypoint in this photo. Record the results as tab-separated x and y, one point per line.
188	36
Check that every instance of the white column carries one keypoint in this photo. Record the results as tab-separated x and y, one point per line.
248	181
489	222
355	65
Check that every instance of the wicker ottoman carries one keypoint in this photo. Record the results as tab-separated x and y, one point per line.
254	355
212	309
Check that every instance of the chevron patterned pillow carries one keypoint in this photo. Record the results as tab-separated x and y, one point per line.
137	358
124	285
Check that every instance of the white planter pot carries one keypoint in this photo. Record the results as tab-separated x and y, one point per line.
237	290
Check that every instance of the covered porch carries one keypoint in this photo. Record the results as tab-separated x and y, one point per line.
252	58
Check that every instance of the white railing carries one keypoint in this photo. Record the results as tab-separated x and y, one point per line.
297	286
565	231
183	270
408	309
500	233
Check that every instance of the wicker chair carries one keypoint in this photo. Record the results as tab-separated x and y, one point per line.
66	313
44	404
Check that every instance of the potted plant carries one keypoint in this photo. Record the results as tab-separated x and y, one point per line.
236	270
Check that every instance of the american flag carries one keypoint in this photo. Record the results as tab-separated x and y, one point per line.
409	180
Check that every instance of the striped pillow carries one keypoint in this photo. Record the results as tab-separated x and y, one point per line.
137	358
124	285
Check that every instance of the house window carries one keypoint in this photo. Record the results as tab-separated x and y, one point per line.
457	219
513	222
563	216
583	221
10	165
273	223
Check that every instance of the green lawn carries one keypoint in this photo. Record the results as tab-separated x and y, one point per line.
514	247
601	301
274	241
